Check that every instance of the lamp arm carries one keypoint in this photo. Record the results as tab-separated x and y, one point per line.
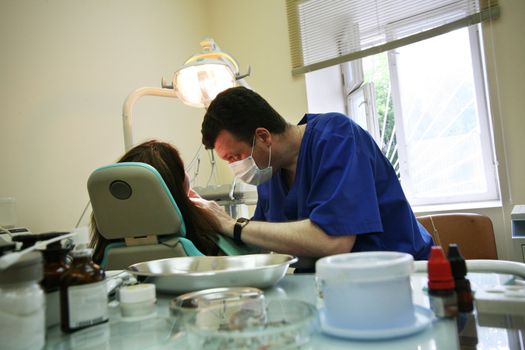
127	109
242	82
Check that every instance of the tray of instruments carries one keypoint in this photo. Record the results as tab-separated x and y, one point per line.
187	274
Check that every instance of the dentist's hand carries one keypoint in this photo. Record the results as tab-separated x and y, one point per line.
225	222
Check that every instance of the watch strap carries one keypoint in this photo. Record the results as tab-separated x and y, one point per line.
237	229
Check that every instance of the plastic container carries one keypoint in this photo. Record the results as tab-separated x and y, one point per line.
22	304
366	291
83	293
137	301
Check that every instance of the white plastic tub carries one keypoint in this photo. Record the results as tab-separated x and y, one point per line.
366	291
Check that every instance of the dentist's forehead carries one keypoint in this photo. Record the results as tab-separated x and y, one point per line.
229	148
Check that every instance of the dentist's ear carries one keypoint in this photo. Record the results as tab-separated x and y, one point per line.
264	135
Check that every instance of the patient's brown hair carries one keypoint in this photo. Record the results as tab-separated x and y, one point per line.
166	159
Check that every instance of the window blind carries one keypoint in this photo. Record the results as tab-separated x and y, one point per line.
324	33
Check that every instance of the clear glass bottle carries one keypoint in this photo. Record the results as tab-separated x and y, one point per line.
83	293
22	304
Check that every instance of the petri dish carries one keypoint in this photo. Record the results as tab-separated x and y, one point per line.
287	324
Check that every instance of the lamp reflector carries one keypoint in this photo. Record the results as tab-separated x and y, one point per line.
198	84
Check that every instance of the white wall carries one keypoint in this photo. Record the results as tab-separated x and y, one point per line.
256	33
66	68
505	53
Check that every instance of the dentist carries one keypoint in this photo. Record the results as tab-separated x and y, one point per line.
324	187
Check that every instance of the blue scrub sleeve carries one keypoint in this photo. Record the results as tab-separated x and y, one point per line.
342	198
258	214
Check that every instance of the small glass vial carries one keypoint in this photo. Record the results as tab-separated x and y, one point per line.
459	271
22	304
83	293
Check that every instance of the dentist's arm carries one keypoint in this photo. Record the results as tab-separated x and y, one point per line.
301	238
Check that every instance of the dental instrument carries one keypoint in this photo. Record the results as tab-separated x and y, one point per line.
11	258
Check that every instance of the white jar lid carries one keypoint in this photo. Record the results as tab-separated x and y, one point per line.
137	293
365	266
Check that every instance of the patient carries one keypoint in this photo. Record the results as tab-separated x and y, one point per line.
166	159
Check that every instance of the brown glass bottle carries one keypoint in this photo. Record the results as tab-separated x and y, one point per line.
56	264
459	270
83	295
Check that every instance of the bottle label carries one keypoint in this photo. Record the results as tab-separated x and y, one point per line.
88	304
444	306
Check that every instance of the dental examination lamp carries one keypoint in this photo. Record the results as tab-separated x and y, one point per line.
196	83
202	77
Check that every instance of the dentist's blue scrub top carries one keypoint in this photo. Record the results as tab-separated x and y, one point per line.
345	185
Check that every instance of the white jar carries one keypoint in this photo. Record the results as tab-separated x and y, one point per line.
366	291
138	301
22	304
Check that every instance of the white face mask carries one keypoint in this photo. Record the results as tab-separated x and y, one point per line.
247	170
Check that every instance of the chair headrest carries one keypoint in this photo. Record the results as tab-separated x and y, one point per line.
132	200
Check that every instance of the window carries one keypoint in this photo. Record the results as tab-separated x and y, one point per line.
425	105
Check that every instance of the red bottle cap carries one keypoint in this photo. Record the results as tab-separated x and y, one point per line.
439	271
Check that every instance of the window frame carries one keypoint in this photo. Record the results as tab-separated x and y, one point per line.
492	197
487	148
362	97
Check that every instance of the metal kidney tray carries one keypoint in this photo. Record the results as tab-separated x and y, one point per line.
186	274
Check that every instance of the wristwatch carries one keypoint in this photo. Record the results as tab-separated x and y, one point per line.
237	229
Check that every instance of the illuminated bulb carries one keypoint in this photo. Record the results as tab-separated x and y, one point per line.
197	85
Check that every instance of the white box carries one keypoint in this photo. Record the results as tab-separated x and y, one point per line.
506	300
517	217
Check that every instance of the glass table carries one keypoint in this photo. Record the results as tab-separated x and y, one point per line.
162	332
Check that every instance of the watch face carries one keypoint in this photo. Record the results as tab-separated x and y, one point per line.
242	220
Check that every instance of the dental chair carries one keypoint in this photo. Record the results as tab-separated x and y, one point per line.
473	233
134	208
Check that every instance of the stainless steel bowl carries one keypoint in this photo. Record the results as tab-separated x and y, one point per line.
186	274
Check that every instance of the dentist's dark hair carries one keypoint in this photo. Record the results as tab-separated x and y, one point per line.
239	111
166	159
